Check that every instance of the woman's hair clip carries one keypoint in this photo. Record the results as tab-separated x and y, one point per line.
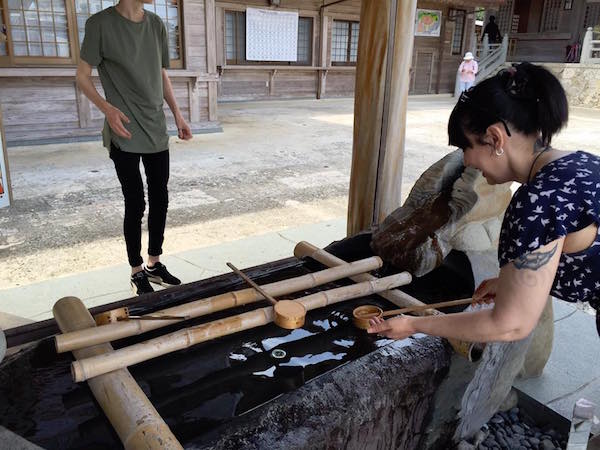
517	85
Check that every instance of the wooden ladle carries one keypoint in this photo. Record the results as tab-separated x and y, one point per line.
289	314
362	314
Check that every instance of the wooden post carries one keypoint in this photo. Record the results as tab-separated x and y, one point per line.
5	188
323	47
442	47
211	56
131	414
272	74
382	80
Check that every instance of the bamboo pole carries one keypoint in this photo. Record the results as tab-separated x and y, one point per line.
131	414
97	365
304	249
114	331
470	350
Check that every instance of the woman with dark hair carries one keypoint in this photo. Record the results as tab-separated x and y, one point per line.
549	242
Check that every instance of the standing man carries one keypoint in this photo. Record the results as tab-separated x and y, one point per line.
129	47
493	32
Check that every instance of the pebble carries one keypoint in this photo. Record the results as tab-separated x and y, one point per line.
514	430
464	445
517	429
547	445
479	437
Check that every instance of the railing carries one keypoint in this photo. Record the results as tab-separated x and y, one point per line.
492	57
590	50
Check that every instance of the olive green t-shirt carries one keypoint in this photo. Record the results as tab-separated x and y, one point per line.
130	57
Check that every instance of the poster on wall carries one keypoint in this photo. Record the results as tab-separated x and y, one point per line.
271	35
4	187
428	22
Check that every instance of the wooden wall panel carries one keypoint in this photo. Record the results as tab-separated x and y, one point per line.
194	26
37	101
244	85
295	84
340	84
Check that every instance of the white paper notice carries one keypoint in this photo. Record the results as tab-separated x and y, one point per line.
271	35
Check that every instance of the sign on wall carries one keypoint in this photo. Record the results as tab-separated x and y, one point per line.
271	35
4	184
428	22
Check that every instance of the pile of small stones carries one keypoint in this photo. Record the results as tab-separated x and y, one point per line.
514	430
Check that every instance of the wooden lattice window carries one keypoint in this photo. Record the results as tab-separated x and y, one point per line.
551	15
344	42
592	15
39	31
305	34
504	17
235	41
458	17
167	10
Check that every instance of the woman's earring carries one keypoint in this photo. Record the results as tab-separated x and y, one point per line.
499	151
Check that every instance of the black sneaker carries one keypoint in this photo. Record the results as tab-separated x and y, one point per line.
160	275
139	283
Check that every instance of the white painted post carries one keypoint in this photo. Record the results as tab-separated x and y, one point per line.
457	91
504	48
2	344
586	48
485	46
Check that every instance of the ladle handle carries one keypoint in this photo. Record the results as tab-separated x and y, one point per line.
394	312
150	317
252	283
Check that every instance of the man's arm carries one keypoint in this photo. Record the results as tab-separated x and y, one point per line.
113	115
183	129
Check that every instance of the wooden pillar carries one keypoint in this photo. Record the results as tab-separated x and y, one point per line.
211	56
323	48
382	81
442	47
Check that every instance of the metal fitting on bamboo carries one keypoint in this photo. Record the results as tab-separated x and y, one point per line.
114	331
131	414
97	365
470	350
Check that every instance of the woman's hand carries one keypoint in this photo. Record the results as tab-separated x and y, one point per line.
486	292
399	327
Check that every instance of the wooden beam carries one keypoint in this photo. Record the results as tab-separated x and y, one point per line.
382	80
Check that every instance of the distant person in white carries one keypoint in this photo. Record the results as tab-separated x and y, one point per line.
466	71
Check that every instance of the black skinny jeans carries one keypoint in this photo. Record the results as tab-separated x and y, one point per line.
156	166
